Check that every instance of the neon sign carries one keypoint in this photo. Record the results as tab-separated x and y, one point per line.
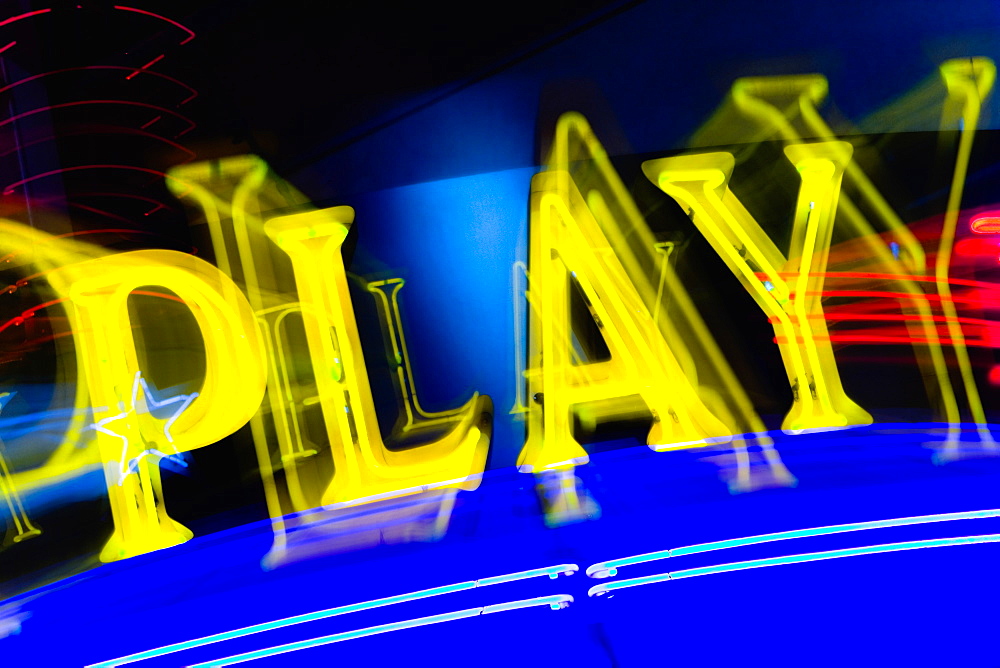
282	347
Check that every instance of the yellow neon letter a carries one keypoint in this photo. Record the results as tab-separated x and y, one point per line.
128	436
577	239
788	289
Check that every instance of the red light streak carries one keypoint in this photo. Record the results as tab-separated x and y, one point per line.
190	32
31	312
28	314
143	68
63	105
159	205
12	187
113	130
903	339
889	277
24	16
100	212
193	95
148	123
4	48
894	295
896	317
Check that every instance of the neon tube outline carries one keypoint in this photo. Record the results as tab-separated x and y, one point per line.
556	602
610	568
602	589
551	571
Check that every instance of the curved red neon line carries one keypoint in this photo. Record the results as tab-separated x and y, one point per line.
24	16
10	189
889	277
2	49
885	338
193	95
891	295
31	312
63	105
99	212
190	32
28	314
118	129
895	317
80	233
158	205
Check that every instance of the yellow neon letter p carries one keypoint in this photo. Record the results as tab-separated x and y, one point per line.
130	439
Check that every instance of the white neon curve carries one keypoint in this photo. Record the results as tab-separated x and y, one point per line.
551	571
610	568
555	602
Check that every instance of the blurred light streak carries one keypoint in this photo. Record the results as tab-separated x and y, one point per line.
160	75
12	187
550	571
7	46
190	32
610	568
129	103
104	131
968	81
23	16
22	523
147	65
603	589
556	602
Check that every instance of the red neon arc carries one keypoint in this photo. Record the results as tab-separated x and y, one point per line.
14	186
901	339
24	16
111	130
63	105
160	75
889	277
895	317
190	32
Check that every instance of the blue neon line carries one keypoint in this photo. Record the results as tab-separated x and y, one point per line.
383	628
794	559
609	568
551	571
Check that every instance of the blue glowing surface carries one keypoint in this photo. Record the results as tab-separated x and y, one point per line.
922	607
